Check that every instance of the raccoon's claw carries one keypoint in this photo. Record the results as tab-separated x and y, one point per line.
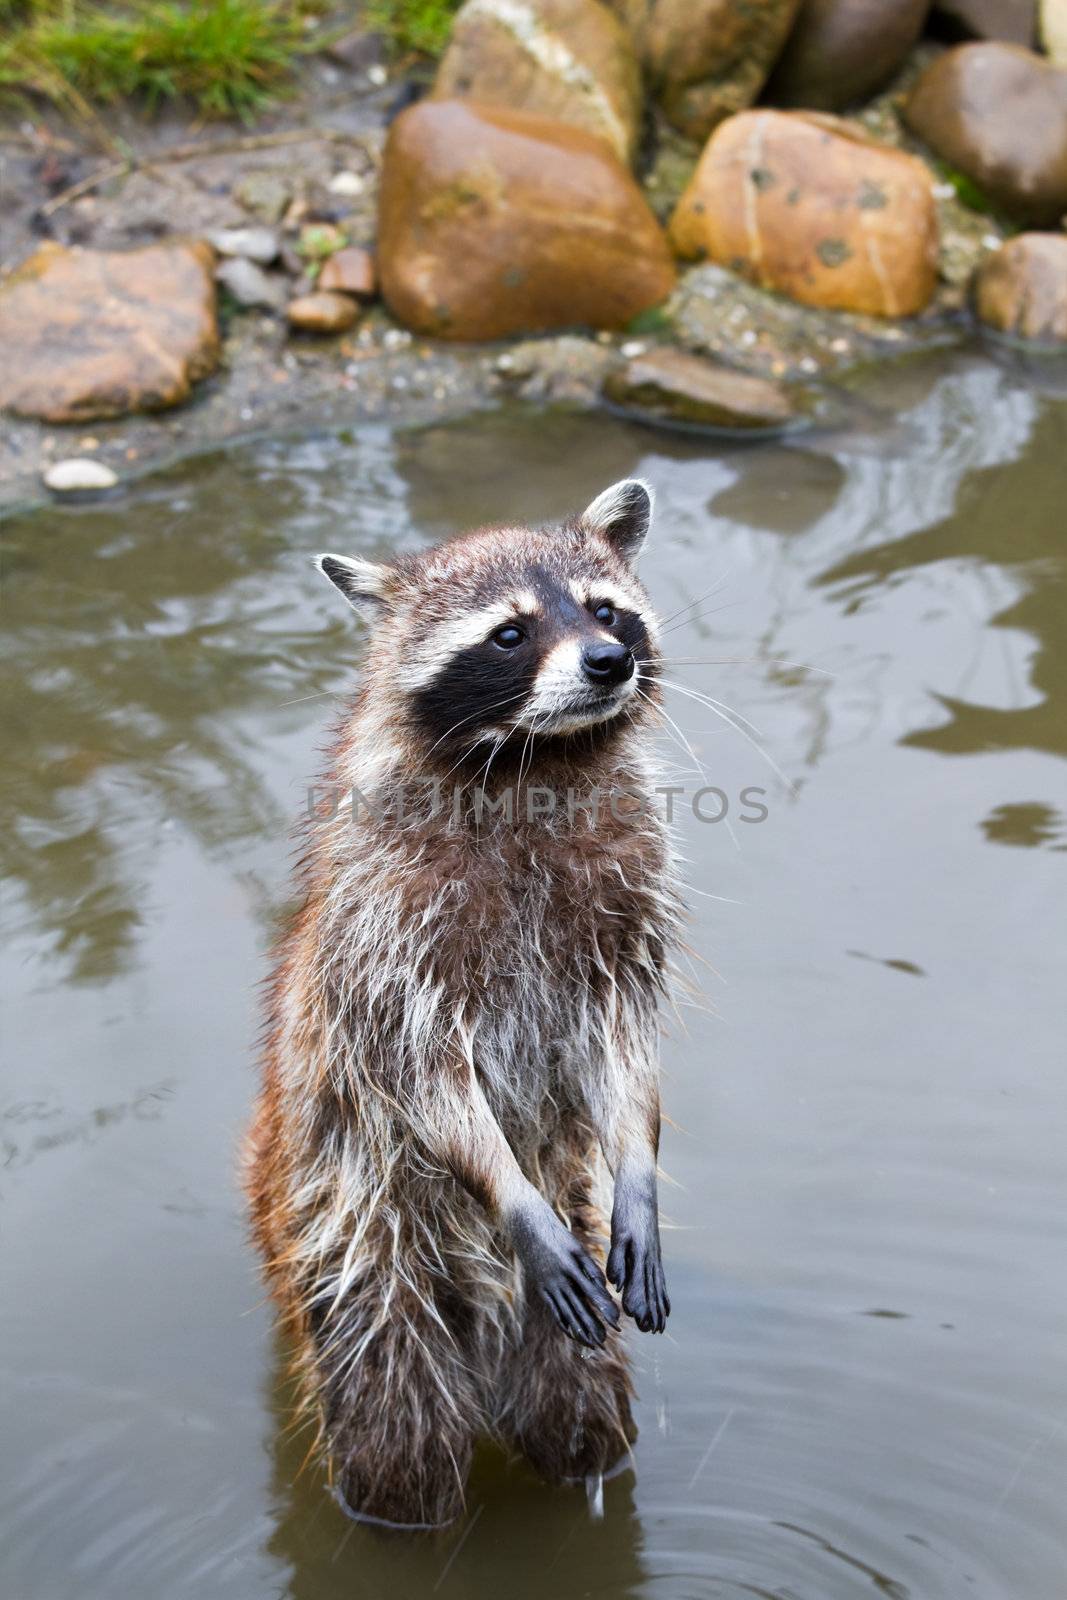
635	1267
567	1279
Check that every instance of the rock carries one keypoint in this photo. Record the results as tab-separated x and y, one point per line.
571	60
79	475
1011	20
998	114
265	194
806	205
565	370
706	59
351	271
249	285
322	312
1052	26
1022	288
842	50
92	333
668	385
255	244
726	317
495	222
346	184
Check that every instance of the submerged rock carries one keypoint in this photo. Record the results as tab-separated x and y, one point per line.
93	333
79	475
807	206
840	51
1022	288
568	59
706	59
495	222
322	312
668	385
351	271
999	115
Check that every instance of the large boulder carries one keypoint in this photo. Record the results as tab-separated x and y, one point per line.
999	115
569	59
803	204
1022	288
706	59
1012	20
494	222
93	333
842	50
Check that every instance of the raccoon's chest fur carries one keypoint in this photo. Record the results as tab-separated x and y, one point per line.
525	944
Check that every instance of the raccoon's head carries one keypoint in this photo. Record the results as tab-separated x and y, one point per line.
508	633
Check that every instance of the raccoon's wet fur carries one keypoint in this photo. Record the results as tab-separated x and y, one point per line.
462	1021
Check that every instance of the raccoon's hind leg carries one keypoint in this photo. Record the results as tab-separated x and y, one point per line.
400	1409
566	1407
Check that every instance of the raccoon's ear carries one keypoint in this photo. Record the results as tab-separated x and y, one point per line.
361	582
621	515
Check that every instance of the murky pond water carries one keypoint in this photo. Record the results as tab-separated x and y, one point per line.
863	1388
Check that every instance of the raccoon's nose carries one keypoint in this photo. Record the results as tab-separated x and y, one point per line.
609	662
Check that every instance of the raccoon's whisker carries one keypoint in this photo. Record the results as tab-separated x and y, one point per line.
741	726
699	601
711	703
701	616
743	661
481	712
320	694
685	745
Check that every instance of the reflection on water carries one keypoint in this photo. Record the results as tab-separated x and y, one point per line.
862	1391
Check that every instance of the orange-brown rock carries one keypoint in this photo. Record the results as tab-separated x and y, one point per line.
91	333
1022	288
803	204
568	59
706	59
495	222
351	271
322	312
998	114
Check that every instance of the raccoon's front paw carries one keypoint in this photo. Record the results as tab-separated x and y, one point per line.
635	1265
565	1276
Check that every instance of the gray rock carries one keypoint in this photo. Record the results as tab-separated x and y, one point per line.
250	286
668	385
1010	20
265	194
254	244
79	475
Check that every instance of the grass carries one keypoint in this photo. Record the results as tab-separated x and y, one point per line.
226	56
419	25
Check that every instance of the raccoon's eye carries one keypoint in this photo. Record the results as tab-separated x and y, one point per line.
507	637
606	614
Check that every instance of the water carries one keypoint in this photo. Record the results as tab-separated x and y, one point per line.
862	1391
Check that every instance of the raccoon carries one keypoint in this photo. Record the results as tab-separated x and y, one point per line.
461	1031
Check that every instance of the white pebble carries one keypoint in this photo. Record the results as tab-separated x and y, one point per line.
346	183
78	474
632	348
377	75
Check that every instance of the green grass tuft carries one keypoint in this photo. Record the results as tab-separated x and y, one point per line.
419	25
227	56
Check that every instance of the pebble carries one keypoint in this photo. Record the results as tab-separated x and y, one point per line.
254	244
79	475
250	285
322	312
377	75
346	183
632	348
